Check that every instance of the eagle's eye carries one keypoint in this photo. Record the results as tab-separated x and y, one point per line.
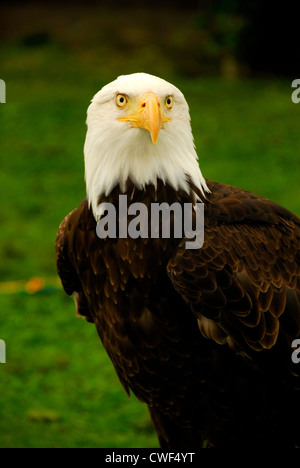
169	102
121	100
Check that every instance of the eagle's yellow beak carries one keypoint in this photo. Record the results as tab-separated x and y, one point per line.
148	115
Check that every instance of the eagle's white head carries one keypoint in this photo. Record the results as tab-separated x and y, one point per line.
139	128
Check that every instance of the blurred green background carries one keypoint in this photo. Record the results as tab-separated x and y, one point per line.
58	387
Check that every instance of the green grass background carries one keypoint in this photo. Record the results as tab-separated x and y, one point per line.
58	387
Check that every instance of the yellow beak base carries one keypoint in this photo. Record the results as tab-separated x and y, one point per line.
148	116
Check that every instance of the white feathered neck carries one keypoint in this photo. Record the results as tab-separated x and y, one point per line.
115	152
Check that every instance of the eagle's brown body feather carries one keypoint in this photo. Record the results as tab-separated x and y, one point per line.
149	297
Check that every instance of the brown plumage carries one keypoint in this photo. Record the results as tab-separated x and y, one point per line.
146	295
203	337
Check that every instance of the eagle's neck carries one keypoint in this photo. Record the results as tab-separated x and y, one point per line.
161	192
146	213
172	163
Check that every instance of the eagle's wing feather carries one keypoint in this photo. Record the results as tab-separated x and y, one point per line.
244	283
65	267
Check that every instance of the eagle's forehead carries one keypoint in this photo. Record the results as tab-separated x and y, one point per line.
140	82
137	84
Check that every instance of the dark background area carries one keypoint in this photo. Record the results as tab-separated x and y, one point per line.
241	37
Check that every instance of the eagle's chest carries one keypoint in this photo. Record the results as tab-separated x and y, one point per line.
133	265
134	290
145	326
142	322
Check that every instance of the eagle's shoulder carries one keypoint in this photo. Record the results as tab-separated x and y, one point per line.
244	283
227	204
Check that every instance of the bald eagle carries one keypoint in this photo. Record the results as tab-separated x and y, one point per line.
205	337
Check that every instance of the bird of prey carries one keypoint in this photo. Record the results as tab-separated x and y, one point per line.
204	336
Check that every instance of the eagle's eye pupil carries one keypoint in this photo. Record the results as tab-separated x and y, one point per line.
169	102
121	100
